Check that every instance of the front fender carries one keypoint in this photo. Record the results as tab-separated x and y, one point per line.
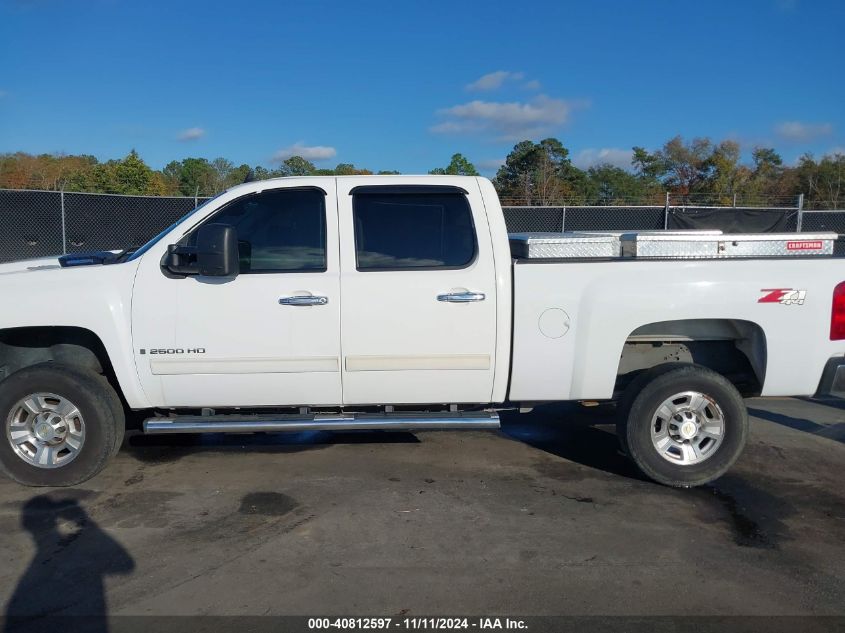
93	298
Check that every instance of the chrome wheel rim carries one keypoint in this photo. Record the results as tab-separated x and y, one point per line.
45	430
687	428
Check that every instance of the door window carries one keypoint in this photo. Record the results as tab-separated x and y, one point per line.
281	230
413	231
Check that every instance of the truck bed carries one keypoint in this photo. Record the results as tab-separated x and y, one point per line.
573	315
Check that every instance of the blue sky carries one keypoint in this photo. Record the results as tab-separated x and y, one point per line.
403	85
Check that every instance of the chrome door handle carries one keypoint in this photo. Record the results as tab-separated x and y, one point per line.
462	297
304	300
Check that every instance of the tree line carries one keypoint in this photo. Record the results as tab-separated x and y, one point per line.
692	172
540	173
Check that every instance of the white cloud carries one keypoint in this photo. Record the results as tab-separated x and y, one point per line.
833	151
532	85
798	132
507	121
606	155
493	80
308	152
191	134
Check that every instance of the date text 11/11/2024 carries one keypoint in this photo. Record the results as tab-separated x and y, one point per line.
418	623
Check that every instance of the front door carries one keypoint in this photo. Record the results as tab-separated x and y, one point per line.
419	294
268	337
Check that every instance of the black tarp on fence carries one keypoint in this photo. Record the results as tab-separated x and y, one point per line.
97	222
733	220
554	219
30	224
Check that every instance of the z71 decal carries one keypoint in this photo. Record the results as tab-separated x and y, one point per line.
784	296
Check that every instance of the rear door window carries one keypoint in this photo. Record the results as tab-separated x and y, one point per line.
413	231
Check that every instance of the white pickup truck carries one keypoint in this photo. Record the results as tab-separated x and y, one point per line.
402	302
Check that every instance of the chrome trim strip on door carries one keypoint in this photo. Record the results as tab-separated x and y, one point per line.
184	366
411	363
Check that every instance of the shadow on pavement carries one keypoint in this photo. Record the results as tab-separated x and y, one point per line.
567	430
834	432
66	576
166	448
573	432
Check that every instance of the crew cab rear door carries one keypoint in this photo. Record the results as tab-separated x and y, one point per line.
419	292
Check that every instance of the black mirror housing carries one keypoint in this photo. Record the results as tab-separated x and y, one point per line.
217	251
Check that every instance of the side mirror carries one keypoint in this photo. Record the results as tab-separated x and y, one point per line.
217	251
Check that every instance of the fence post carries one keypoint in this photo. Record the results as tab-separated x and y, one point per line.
64	223
800	213
734	201
563	220
196	196
666	213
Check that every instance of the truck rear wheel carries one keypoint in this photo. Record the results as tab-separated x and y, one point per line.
685	427
61	425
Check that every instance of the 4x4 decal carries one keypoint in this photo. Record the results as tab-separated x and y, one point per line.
784	296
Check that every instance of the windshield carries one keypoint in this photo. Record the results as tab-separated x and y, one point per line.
138	253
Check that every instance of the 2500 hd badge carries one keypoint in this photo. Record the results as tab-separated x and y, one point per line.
190	350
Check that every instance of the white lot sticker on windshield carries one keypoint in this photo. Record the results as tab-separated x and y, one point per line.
784	296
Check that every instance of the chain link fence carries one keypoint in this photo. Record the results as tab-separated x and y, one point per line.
658	218
583	218
46	223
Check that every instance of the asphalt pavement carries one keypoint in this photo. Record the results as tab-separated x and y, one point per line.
542	517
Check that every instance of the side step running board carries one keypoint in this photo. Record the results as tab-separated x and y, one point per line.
322	422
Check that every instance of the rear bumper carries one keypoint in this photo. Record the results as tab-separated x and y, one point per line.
833	378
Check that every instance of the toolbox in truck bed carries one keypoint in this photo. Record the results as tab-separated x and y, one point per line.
668	245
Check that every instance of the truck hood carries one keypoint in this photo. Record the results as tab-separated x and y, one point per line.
75	260
30	265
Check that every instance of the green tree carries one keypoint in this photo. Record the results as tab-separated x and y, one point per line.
348	169
823	180
191	176
515	179
681	167
768	177
458	166
540	174
261	173
132	175
766	160
727	176
221	174
172	174
647	166
238	175
296	166
129	175
612	185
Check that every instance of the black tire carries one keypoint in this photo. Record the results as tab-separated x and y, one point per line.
626	401
98	404
655	390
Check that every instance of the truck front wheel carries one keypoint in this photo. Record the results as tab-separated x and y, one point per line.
686	427
61	425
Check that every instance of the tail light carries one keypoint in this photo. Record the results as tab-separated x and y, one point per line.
837	315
